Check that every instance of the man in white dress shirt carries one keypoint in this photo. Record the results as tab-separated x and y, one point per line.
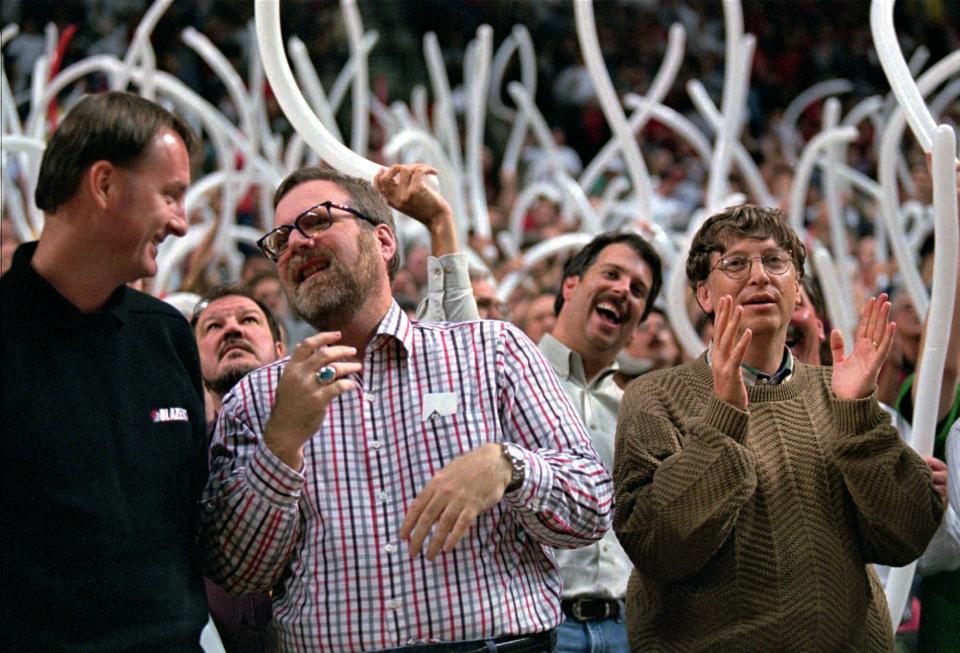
607	290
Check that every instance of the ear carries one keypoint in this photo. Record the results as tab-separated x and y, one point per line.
569	285
705	298
280	348
101	181
387	241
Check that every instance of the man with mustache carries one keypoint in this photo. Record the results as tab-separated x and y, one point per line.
401	481
103	454
608	288
236	334
753	490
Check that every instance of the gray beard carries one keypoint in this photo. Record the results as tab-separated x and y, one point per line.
325	306
331	302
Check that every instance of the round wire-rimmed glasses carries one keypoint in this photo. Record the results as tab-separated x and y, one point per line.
738	266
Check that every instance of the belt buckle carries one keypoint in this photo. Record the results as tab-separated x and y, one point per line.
577	610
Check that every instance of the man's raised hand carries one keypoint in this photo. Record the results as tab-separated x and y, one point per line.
728	352
303	394
855	376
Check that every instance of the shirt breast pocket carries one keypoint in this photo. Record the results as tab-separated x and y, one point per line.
451	425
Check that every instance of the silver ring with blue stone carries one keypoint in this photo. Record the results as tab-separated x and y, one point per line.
326	374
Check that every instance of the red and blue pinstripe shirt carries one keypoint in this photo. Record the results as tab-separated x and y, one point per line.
427	393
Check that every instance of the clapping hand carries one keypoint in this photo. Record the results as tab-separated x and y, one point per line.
728	352
855	376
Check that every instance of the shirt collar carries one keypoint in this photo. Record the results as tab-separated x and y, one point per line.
567	363
396	325
56	309
753	376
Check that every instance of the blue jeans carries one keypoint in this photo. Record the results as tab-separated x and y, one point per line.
600	636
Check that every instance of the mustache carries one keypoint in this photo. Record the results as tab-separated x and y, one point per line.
617	300
235	343
300	259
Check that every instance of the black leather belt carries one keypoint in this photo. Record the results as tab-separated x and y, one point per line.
588	609
537	643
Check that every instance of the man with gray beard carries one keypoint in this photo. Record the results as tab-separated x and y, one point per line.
398	482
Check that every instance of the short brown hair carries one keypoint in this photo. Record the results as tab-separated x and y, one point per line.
743	221
116	127
366	199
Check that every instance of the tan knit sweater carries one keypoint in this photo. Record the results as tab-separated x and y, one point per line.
751	531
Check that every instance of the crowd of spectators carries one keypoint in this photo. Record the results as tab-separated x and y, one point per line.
796	47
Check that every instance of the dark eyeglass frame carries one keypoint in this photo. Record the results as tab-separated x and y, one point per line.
738	276
324	221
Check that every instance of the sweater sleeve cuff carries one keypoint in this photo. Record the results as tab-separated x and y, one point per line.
857	415
272	479
726	418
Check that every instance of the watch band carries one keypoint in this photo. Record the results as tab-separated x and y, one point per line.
517	462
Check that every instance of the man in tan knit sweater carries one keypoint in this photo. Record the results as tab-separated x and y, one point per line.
752	490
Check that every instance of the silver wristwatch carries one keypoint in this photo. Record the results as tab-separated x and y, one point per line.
514	456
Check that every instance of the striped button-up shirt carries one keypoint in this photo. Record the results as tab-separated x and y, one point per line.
427	393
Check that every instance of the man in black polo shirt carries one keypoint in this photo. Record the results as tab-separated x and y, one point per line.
102	457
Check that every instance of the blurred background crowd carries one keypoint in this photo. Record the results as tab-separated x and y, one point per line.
798	44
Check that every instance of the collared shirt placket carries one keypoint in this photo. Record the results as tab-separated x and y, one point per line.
380	446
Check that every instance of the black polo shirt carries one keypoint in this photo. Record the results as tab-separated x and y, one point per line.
102	462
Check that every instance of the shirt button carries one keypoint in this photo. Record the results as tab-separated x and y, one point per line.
393	604
382	495
390	548
375	444
369	397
